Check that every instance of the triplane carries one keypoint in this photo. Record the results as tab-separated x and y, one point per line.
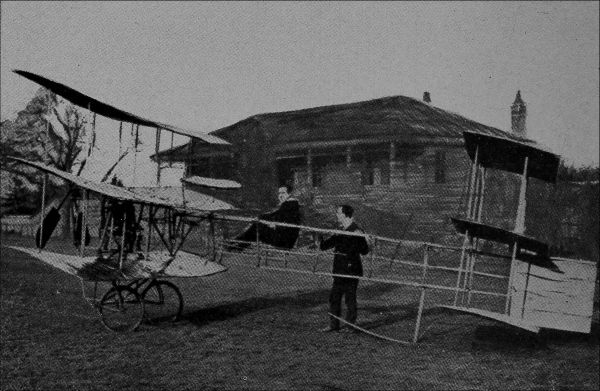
524	287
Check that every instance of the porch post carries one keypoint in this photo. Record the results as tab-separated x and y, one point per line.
84	202
472	184
40	240
156	150
480	210
520	220
513	265
309	167
348	156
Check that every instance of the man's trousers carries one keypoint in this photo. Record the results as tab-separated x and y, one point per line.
345	287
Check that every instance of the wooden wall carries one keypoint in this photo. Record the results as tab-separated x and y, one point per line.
413	205
406	199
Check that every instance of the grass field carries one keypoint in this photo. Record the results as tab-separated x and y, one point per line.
249	328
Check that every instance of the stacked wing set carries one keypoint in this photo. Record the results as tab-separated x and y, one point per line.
542	291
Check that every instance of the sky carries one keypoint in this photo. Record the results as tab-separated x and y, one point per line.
203	65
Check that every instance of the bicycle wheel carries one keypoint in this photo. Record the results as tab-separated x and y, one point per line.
121	309
162	302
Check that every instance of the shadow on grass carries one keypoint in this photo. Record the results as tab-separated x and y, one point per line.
558	336
390	315
296	300
506	338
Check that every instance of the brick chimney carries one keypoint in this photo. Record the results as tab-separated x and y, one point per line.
518	113
426	97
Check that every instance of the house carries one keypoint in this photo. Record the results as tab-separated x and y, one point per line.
399	161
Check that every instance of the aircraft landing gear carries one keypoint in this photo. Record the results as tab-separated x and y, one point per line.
121	309
124	307
162	302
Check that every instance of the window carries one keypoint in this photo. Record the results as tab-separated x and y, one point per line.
323	162
287	167
385	173
367	174
220	167
375	174
406	159
440	167
375	164
317	177
200	167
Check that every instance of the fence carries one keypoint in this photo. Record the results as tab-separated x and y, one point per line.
19	224
439	274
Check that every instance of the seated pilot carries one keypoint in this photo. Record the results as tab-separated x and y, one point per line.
288	211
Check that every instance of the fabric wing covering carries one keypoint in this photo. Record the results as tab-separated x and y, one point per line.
106	189
509	155
168	197
175	196
212	182
106	110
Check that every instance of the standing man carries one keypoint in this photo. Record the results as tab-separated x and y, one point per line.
346	261
288	211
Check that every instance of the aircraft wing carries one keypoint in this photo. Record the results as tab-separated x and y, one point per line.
167	197
106	189
497	234
92	268
509	155
106	110
212	182
191	201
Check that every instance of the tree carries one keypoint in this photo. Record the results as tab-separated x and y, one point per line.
34	136
52	132
565	214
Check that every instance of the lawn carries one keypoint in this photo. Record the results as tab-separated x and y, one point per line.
251	328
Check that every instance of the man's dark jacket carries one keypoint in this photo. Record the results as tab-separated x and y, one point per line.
288	212
347	251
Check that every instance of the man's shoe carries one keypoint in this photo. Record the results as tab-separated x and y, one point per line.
327	330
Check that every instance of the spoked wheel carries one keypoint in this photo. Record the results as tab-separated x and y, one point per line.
162	302
121	309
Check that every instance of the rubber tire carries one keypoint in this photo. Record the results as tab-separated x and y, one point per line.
162	302
121	309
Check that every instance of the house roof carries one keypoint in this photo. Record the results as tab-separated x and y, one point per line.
390	117
401	115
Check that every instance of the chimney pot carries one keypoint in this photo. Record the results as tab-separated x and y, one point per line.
518	113
426	97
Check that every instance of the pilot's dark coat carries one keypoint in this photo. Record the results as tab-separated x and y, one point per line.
288	212
283	237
